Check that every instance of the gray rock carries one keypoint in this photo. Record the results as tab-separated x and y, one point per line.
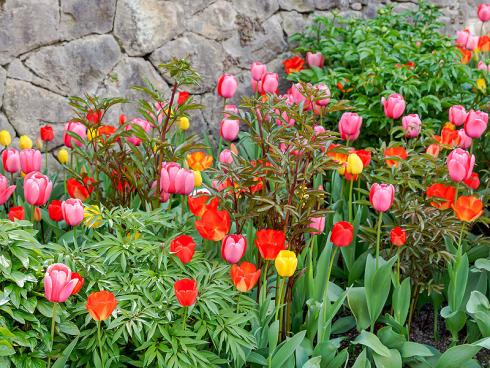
76	67
130	72
5	125
356	6
205	56
298	5
25	25
216	22
256	9
25	105
293	22
17	70
81	17
3	77
141	26
192	6
324	4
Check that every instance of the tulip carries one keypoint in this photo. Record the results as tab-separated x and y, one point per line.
293	65
317	223
342	234
365	157
460	164
315	59
11	160
233	248
226	156
395	152
80	282
411	125
465	141
244	276
227	86
354	164
101	304
77	129
468	208
183	123
269	243
46	133
214	224
199	161
448	137
25	142
462	37
482	66
197	178
186	292
230	110
175	179
72	210
476	123
183	97
201	201
144	124
295	94
229	129
258	70
441	191
54	210
398	236
433	150
63	156
269	83
94	117
381	196
350	126
16	213
473	181
318	129
286	263
5	190
79	190
484	12
37	188
183	247
58	283
472	42
325	93
37	217
5	138
30	160
394	106
457	115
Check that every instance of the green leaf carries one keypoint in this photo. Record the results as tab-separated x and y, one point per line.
401	301
362	361
412	349
456	356
313	362
6	349
356	297
286	349
372	341
392	361
61	361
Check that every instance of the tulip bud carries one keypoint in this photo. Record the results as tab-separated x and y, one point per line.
270	82
394	106
354	164
233	248
457	115
315	59
484	12
411	125
226	156
258	70
476	124
25	142
227	85
183	123
63	156
381	196
317	223
37	214
350	126
5	138
342	234
460	164
229	129
286	263
197	178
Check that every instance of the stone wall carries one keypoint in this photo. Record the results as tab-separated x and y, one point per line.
51	49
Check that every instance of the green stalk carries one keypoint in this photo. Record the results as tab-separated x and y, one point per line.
184	319
378	238
398	266
100	344
282	281
53	324
350	200
460	250
325	293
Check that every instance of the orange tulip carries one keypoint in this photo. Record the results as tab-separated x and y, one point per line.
79	190
293	65
468	208
399	152
200	203
441	191
245	276
214	224
484	44
466	55
199	160
101	304
449	137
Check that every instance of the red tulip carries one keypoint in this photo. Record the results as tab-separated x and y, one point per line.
183	97
16	213
399	152
46	132
79	284
199	203
186	292
342	234
245	276
398	236
214	224
270	243
183	247
441	191
473	181
54	210
94	117
101	304
293	65
79	190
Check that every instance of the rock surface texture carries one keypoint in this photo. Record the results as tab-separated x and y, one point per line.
51	49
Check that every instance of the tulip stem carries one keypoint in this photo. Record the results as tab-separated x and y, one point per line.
282	281
350	200
184	319
53	324
456	195
460	250
325	293
378	238
46	157
264	281
398	265
100	343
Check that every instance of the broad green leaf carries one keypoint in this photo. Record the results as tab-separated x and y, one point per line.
392	361
286	349
456	356
412	349
372	341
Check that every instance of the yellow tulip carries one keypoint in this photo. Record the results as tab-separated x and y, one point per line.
25	142
91	134
197	178
354	164
5	138
481	84
39	143
63	156
92	216
183	123
286	263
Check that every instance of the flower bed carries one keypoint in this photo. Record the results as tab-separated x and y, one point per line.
293	244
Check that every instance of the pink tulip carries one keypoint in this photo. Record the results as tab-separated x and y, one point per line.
296	93
350	126
257	71
381	196
175	179
476	123
144	124
269	83
317	223
465	141
462	37
229	129
226	156
482	66
37	188
457	115
58	283
460	165
284	119
227	85
318	129
30	160
76	128
72	210
433	150
11	160
411	125
233	248
484	12
472	42
325	91
230	109
394	105
5	190
315	59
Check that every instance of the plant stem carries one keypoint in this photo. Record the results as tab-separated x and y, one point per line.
398	266
378	238
460	250
325	293
184	319
350	200
53	324
264	281
100	344
46	157
282	281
